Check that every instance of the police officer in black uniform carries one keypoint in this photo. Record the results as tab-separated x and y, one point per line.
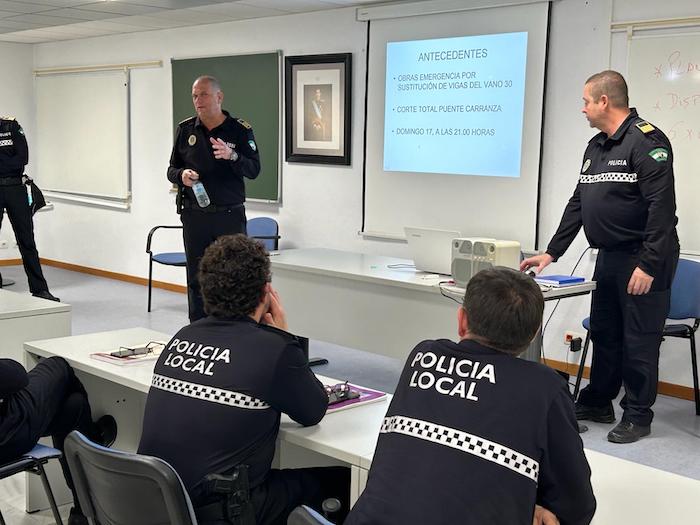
474	435
218	151
626	202
14	155
219	389
49	400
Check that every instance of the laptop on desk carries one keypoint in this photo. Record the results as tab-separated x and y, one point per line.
431	249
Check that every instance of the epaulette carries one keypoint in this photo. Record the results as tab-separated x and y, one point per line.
186	121
6	117
645	127
244	123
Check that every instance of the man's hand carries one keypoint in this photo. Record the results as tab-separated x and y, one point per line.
544	517
189	177
539	262
221	149
640	282
275	315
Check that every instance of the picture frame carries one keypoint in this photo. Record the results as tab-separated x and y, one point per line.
318	95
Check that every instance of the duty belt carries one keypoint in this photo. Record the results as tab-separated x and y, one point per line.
212	208
11	181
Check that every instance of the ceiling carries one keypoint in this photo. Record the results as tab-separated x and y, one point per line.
36	21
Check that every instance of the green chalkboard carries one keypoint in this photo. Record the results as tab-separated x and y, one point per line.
251	86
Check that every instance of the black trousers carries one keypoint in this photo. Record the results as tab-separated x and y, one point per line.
54	403
200	229
626	332
14	200
284	490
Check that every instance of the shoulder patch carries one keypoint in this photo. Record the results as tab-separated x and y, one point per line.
186	121
645	127
244	123
659	154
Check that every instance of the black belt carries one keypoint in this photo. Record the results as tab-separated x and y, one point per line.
212	208
11	181
217	511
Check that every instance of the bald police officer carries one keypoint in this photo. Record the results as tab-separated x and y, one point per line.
14	155
219	151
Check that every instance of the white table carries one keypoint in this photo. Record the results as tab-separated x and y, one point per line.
340	439
626	492
24	317
373	303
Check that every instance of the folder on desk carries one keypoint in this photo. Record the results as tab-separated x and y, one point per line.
558	280
367	395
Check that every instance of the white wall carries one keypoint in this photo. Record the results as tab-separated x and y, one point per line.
322	205
16	100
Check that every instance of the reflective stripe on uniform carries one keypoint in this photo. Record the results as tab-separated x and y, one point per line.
207	393
610	176
459	440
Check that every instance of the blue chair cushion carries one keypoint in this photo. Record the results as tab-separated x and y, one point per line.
41	452
587	323
171	258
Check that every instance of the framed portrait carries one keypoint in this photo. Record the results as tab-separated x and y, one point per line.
317	108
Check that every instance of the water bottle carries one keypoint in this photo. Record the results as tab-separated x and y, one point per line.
201	194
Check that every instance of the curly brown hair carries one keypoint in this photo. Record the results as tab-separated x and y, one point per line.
232	276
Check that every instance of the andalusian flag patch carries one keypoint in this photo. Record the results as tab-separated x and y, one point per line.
659	154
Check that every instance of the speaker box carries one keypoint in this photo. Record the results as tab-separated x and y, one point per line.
471	255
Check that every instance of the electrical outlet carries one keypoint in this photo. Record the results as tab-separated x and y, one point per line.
570	334
3	243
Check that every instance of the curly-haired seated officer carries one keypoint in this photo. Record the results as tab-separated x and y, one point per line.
49	400
220	387
474	435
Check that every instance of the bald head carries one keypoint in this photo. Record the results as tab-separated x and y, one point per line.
207	98
611	84
212	82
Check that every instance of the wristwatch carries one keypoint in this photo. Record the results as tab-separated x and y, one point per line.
234	155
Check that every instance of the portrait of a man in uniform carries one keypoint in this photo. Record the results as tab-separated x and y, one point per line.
317	112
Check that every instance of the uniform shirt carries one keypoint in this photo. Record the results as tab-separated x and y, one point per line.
223	179
625	197
14	153
218	389
475	436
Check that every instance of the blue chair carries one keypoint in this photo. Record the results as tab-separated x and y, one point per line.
166	258
34	461
266	230
685	304
117	488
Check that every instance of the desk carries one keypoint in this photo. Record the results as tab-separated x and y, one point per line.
370	302
626	492
341	439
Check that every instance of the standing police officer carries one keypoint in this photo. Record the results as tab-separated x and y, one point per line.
626	202
217	150
474	435
219	388
14	155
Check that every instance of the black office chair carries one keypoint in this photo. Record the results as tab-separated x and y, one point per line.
266	230
166	258
34	461
121	488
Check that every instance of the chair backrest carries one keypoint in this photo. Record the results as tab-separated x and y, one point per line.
304	515
266	229
120	488
685	291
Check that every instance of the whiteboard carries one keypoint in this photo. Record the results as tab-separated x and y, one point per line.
663	74
83	133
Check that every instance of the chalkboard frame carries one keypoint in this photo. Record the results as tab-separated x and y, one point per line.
250	81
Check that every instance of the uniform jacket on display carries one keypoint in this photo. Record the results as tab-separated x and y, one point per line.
218	390
476	436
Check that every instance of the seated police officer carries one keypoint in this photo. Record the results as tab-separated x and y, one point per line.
14	155
219	388
474	435
49	400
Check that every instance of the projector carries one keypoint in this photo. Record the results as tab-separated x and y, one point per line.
470	255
